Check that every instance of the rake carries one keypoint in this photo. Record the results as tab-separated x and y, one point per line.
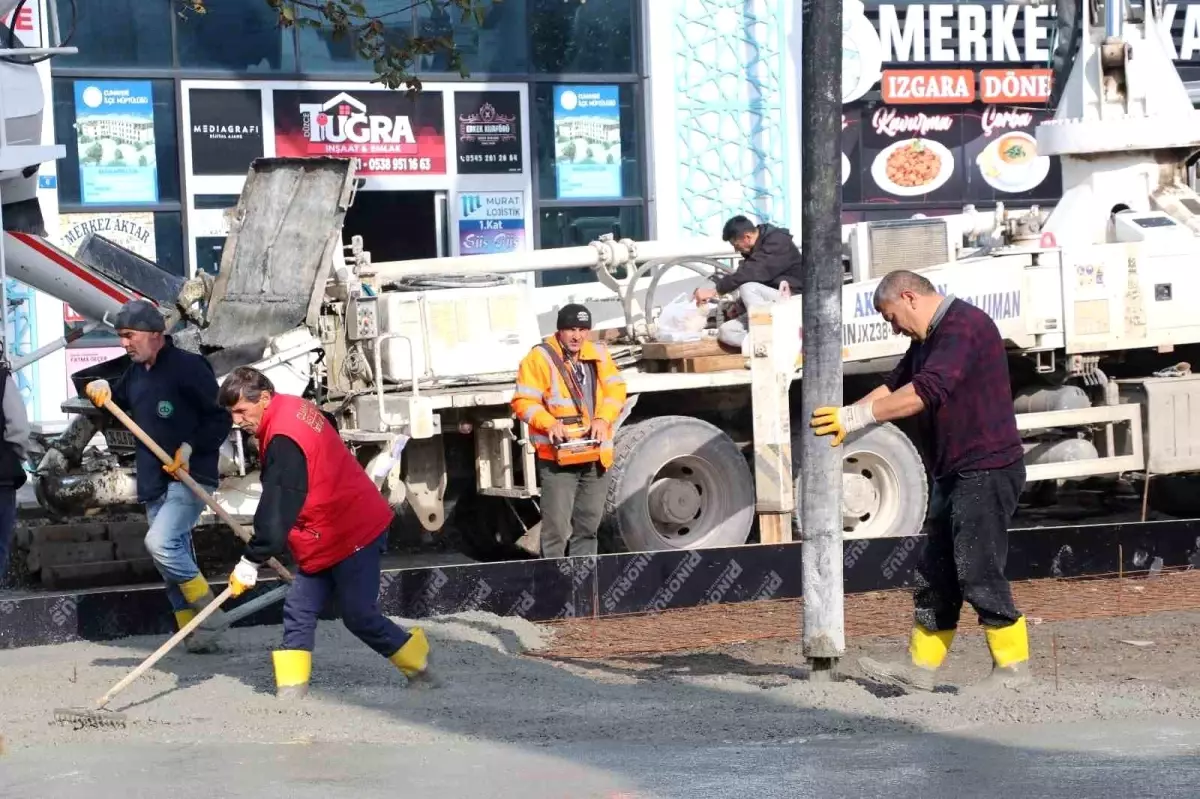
100	715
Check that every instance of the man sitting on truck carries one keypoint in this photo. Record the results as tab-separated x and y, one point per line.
955	379
570	393
172	395
769	257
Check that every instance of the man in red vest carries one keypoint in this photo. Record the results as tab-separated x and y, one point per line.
317	500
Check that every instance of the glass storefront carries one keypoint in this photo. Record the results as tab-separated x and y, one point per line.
162	112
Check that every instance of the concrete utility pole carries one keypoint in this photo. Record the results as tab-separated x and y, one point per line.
821	246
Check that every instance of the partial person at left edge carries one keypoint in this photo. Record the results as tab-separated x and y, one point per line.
14	452
172	395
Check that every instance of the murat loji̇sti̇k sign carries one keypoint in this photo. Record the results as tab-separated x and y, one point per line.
883	42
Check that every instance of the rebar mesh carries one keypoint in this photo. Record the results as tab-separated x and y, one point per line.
868	614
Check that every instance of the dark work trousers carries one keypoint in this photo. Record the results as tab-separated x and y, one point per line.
572	507
966	549
355	583
8	522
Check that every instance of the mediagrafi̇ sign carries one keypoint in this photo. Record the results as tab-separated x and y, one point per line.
387	131
226	134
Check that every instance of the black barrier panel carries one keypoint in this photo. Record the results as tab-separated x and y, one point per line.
543	590
644	582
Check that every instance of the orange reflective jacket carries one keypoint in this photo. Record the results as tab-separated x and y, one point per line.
542	397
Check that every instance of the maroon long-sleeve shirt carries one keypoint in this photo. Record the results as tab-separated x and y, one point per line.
960	372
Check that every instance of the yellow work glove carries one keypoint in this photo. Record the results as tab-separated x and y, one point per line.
182	456
243	578
841	422
99	392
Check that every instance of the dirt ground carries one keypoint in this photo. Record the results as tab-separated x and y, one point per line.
498	680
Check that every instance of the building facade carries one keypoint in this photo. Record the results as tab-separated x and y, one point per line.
542	144
645	119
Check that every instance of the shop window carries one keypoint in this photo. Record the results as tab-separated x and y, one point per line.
210	227
587	154
156	236
322	51
568	37
116	33
237	36
497	47
130	157
576	227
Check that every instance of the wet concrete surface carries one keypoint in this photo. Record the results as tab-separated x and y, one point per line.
1100	760
1104	718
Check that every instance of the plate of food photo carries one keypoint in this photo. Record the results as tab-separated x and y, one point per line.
1011	163
912	167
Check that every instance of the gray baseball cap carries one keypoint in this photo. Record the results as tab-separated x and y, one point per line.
140	315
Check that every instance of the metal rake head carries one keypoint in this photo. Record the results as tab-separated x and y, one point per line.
81	718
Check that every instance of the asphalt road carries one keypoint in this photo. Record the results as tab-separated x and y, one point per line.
1095	760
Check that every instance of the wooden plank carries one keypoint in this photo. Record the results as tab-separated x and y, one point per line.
715	363
674	350
66	533
64	553
95	575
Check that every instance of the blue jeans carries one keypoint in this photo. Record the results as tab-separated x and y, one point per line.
169	539
8	522
355	583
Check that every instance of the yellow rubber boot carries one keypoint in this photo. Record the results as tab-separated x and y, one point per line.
927	650
413	658
293	667
206	638
1010	656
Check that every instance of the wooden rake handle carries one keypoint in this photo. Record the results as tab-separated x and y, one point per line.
184	632
185	478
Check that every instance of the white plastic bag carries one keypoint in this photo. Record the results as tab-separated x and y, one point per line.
682	320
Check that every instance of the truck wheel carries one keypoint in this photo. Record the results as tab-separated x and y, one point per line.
884	490
679	483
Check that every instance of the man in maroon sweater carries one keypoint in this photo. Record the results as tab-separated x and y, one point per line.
954	378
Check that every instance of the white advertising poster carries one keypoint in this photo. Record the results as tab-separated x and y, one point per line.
83	357
133	231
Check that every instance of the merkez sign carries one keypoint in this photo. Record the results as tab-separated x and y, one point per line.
997	33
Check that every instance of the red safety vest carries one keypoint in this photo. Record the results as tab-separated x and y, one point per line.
343	511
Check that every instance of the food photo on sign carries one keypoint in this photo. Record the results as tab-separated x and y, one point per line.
1000	149
388	132
913	154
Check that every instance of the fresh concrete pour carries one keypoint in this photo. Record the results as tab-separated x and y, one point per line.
725	722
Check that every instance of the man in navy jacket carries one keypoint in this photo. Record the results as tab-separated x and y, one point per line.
172	395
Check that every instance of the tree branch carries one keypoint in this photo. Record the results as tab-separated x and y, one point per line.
392	50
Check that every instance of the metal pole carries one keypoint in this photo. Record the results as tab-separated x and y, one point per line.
821	470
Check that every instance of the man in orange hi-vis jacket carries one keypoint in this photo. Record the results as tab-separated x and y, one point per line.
570	393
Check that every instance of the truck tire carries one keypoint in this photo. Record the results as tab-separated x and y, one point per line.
679	483
884	491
